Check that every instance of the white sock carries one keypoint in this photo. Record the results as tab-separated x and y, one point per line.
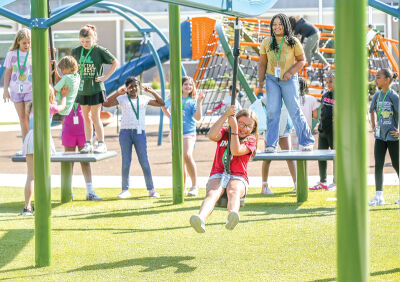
265	183
89	187
379	193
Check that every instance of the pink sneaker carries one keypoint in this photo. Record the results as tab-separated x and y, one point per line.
319	186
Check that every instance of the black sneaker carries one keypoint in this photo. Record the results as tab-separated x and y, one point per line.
26	211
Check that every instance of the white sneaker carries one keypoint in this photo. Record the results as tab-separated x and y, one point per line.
19	153
153	194
88	148
101	148
294	190
197	223
232	220
267	191
306	148
92	196
377	201
397	202
270	149
193	192
124	194
332	187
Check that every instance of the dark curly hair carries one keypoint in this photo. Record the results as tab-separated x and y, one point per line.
287	32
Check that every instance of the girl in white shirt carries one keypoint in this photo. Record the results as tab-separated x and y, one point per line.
132	130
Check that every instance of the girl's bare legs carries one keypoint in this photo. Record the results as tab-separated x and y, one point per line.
264	174
190	165
284	143
213	192
87	117
29	181
86	170
23	119
98	126
235	190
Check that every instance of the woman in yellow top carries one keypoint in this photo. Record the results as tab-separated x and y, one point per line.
281	57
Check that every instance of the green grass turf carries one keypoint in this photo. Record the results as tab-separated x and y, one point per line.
151	239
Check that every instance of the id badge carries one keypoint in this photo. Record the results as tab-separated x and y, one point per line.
21	88
224	180
76	120
377	131
277	72
81	86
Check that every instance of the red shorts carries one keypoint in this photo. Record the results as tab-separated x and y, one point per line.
69	140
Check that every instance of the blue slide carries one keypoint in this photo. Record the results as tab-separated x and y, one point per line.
136	66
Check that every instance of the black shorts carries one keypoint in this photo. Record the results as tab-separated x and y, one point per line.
91	100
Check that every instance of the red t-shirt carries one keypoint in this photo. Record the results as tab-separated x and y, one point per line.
238	163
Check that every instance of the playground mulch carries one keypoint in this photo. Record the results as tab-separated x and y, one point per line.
159	156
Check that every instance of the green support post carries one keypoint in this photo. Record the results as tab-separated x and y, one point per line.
176	102
302	181
66	182
41	137
351	140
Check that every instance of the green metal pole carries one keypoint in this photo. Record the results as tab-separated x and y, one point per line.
41	137
351	140
66	182
302	181
176	102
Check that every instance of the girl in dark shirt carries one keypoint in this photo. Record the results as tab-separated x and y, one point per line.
307	30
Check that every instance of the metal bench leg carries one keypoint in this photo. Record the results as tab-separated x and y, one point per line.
302	181
66	182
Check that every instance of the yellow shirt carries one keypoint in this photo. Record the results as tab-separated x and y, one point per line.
287	57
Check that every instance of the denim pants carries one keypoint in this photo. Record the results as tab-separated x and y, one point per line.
277	90
127	138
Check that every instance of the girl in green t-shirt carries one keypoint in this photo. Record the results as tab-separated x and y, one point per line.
91	93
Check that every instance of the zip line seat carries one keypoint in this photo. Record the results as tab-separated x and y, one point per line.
66	159
301	157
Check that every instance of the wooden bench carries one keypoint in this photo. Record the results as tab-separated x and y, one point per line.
66	159
301	158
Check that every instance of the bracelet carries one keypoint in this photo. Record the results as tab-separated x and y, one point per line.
232	133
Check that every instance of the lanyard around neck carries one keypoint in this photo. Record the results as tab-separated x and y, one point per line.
133	108
21	71
75	108
383	100
279	51
184	102
82	62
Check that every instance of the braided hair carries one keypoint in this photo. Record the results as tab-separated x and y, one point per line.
287	32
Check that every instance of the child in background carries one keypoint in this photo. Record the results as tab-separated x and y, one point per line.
28	148
18	77
227	101
132	131
191	112
325	129
384	124
243	146
70	78
91	93
308	104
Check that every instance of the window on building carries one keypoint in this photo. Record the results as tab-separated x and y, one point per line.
6	40
64	41
133	45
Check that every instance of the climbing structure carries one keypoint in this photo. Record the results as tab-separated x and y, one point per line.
213	48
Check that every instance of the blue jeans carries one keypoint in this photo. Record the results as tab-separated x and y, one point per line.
127	138
289	91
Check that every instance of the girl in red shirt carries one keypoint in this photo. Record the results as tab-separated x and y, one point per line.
243	146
